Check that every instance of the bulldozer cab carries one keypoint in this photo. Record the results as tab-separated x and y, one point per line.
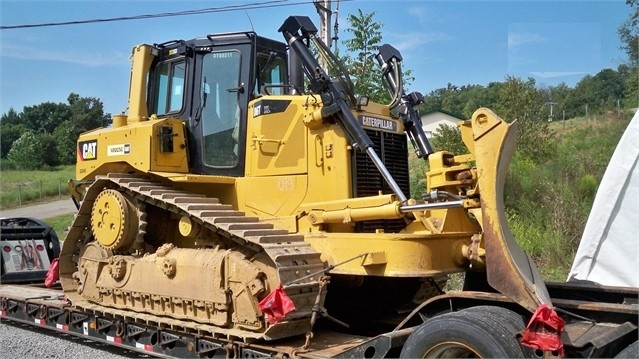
208	83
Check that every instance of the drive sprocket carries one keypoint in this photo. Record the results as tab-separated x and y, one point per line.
115	221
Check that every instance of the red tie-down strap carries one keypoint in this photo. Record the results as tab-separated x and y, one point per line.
544	331
276	305
53	274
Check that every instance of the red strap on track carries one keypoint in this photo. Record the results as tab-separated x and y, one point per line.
276	305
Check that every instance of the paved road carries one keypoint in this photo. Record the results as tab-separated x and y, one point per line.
42	211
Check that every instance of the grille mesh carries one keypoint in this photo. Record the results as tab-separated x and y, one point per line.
367	181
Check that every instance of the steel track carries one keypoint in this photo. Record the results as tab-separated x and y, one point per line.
292	256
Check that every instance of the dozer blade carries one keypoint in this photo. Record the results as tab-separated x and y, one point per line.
509	269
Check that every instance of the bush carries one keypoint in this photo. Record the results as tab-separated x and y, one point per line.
33	151
448	138
417	172
6	165
65	138
587	186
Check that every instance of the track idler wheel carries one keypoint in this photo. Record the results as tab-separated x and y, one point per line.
114	220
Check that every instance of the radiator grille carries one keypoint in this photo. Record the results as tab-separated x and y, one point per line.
367	181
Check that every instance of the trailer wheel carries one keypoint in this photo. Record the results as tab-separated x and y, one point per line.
514	321
631	351
464	334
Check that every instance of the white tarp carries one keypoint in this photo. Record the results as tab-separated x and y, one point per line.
608	253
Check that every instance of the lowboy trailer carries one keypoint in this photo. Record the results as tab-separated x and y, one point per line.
600	322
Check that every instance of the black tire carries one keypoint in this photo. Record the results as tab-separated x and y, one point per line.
631	351
462	335
514	321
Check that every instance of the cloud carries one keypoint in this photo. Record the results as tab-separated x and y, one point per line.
520	38
413	40
83	57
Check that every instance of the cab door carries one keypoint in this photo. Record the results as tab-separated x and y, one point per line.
221	98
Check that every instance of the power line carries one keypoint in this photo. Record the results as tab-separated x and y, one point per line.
248	6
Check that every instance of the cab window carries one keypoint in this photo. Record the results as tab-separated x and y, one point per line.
271	75
169	91
220	107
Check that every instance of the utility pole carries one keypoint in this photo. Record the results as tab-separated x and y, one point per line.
336	26
551	106
618	108
324	10
587	118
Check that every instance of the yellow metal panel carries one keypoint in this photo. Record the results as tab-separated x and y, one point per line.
99	150
273	196
290	163
135	146
142	58
276	141
404	255
329	174
376	109
177	160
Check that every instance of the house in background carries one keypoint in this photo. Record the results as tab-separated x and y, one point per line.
433	118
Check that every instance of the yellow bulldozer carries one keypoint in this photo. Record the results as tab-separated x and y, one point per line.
246	175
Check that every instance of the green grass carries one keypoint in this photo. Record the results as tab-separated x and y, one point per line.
60	224
548	202
24	187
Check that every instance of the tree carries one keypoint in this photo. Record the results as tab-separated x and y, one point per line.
66	143
10	118
61	123
360	59
599	92
432	101
448	138
629	33
631	94
451	100
10	133
45	117
87	113
520	100
462	100
610	87
472	98
362	67
11	130
560	94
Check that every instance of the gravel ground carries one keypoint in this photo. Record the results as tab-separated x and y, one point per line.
16	341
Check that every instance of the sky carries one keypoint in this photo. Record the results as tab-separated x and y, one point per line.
456	41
